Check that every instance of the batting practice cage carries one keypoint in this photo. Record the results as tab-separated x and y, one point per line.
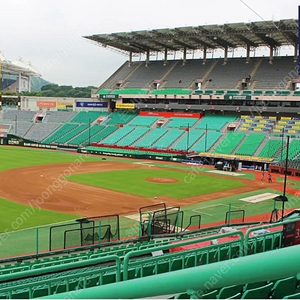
158	219
85	232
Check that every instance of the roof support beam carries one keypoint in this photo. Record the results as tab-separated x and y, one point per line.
147	57
184	56
166	56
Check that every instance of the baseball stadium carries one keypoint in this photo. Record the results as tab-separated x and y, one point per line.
177	179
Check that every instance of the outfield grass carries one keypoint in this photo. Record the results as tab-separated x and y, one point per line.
17	157
134	182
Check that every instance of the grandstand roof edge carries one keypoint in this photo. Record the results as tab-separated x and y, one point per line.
232	35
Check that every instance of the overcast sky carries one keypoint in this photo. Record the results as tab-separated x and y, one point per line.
48	33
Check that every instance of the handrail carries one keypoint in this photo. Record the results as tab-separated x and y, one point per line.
247	234
63	267
170	246
270	265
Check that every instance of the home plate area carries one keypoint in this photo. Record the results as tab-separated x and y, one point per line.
259	198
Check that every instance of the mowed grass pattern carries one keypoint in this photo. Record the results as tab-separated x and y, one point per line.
17	157
135	182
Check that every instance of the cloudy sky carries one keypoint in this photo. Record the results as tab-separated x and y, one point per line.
48	33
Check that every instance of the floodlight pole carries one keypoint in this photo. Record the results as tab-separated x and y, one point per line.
89	132
282	136
285	173
188	138
205	146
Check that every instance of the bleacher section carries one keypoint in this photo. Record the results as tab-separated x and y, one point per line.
294	150
117	135
205	143
133	136
257	123
149	139
60	132
144	121
89	133
20	128
287	125
168	139
181	122
58	116
40	131
214	122
71	134
90	268
119	76
229	143
188	140
10	115
101	135
270	76
184	75
250	144
271	147
144	75
88	116
120	118
236	69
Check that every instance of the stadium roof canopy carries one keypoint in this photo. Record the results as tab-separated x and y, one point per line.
231	35
17	67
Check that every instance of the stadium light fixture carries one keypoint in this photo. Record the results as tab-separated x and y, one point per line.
282	198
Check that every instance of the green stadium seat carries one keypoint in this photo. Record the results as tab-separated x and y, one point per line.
92	281
282	286
21	294
257	93
108	278
147	270
247	92
219	92
198	92
234	92
229	291
131	91
262	292
202	258
104	92
297	93
171	91
236	296
254	285
210	295
4	295
190	261
269	93
163	267
40	291
208	92
176	264
182	296
293	296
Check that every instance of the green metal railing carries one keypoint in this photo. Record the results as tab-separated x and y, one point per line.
272	265
176	245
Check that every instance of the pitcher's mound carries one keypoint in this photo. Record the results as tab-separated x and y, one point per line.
162	180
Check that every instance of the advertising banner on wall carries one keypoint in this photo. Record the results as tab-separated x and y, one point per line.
167	114
91	104
65	105
46	103
125	105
